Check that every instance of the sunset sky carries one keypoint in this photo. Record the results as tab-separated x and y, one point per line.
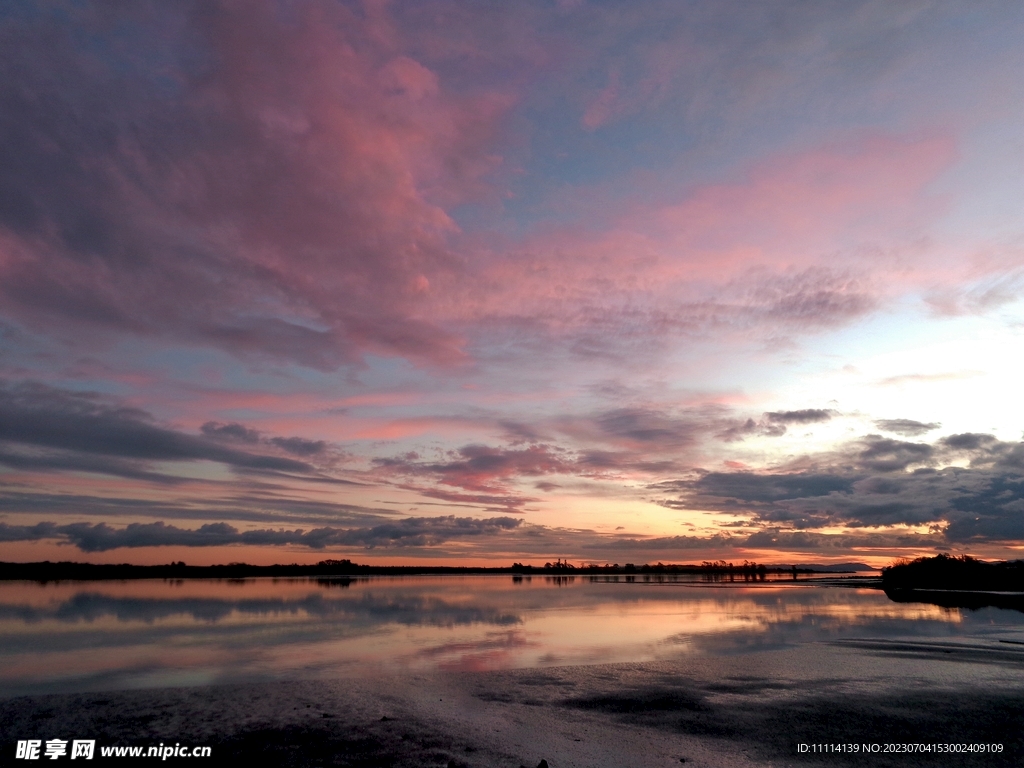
474	282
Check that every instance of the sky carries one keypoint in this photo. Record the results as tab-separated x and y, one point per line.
475	283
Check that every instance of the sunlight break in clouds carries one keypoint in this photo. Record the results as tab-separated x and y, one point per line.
437	281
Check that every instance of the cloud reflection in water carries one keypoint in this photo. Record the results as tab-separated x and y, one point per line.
76	636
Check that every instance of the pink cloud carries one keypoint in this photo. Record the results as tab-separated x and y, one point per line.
758	252
483	468
604	106
286	198
290	198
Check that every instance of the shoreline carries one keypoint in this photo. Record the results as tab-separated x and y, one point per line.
716	711
71	571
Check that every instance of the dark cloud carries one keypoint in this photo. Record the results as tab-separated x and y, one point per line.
666	543
248	503
806	416
992	508
906	427
410	532
646	426
70	461
28	532
643	431
72	428
426	531
1000	527
235	432
230	432
773	424
1010	456
873	483
809	541
969	441
751	487
32	414
299	446
750	428
882	454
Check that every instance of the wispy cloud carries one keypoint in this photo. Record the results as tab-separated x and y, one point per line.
925	378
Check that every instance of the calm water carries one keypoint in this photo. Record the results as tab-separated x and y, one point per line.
112	635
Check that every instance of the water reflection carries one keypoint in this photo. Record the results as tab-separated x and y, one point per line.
93	635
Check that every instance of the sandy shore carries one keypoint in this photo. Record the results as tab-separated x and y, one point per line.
738	710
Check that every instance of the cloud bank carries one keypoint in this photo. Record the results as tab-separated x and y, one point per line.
410	532
969	487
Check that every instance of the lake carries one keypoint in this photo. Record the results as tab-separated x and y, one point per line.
90	636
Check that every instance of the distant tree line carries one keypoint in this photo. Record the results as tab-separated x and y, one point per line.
70	571
718	567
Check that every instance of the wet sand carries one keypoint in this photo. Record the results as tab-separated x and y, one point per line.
735	710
